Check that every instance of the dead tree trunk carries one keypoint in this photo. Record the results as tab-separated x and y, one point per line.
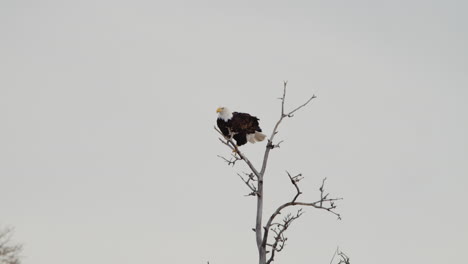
268	246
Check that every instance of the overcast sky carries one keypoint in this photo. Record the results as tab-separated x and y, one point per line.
108	152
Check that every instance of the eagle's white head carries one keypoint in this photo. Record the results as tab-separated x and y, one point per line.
224	113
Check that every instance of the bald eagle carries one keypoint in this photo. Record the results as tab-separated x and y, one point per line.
240	126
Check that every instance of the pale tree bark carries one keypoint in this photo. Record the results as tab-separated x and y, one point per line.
268	246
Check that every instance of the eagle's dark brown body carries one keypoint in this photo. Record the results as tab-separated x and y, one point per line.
239	126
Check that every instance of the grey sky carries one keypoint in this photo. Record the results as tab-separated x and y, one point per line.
107	147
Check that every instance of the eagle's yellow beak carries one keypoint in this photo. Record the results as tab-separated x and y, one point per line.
219	110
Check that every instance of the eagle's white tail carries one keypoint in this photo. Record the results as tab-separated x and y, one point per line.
255	137
259	136
251	138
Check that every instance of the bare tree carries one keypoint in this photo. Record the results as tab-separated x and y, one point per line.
270	237
9	252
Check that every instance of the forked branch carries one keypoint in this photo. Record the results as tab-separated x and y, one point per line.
231	145
279	229
324	203
270	144
232	161
250	183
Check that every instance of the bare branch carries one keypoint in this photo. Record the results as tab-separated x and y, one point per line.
277	145
344	259
249	183
294	181
235	149
261	242
9	253
279	229
285	83
323	203
308	101
232	161
270	144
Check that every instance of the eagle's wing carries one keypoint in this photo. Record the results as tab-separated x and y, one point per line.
244	123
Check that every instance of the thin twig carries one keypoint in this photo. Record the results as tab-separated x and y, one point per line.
323	203
280	239
249	184
231	161
294	181
292	112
